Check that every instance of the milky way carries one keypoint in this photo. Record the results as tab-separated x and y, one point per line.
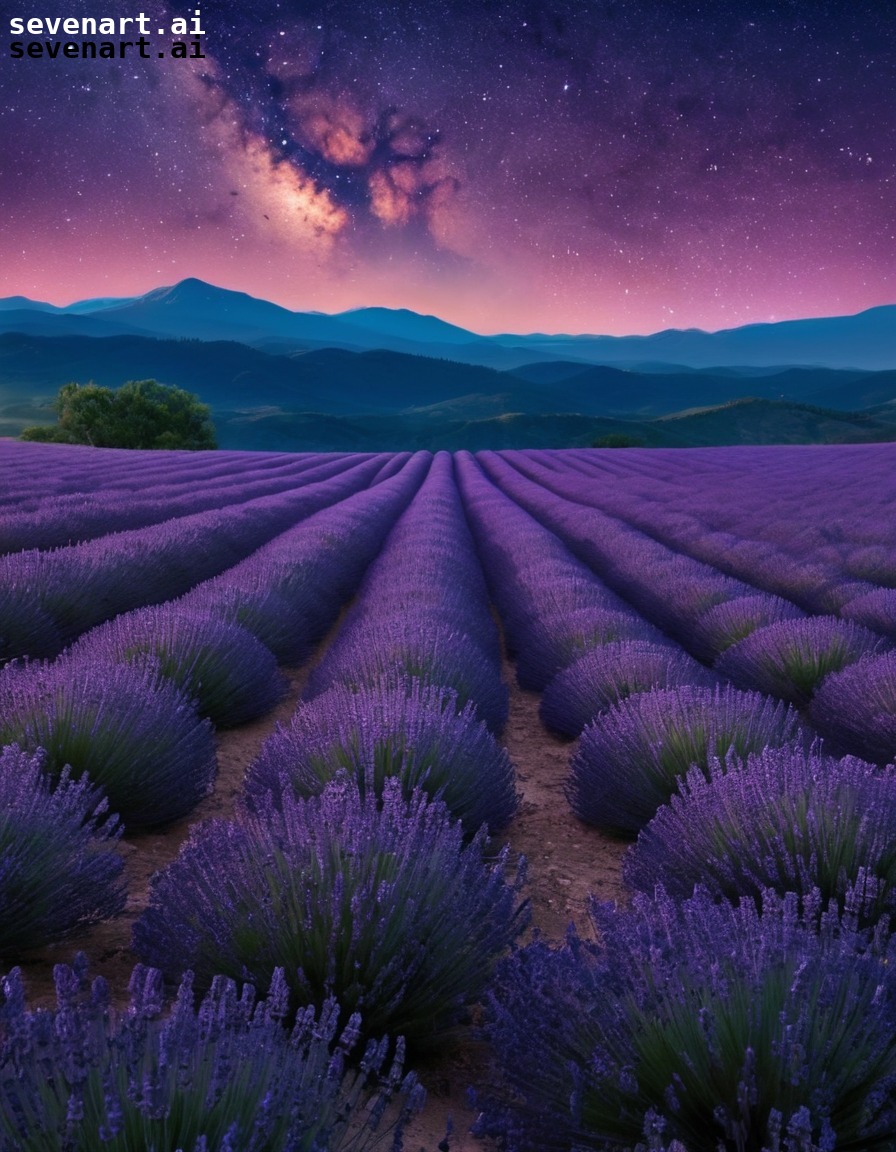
604	167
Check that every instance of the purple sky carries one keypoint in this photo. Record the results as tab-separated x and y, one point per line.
583	166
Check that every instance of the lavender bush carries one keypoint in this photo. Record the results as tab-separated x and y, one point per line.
875	610
855	709
413	731
733	620
791	658
402	649
289	592
556	641
631	759
82	585
874	563
59	870
697	1022
380	905
603	676
428	567
435	602
550	584
230	674
25	626
133	732
254	602
783	819
226	1078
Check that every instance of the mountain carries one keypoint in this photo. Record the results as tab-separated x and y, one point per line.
37	322
392	378
23	304
866	340
231	375
235	375
194	309
407	325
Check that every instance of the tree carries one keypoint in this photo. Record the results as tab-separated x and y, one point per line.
140	414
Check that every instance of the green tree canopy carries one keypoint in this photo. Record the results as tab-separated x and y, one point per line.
140	414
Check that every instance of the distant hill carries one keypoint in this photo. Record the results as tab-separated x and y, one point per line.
232	375
197	310
749	421
753	420
392	378
235	375
383	395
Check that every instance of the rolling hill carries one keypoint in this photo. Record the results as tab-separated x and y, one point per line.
375	378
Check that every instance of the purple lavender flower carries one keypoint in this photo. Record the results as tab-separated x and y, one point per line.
873	563
252	601
875	610
549	582
539	588
82	585
143	492
701	1023
25	626
378	904
603	676
289	592
59	870
791	658
398	650
630	759
733	620
226	1077
783	819
855	709
554	642
413	731
232	676
134	733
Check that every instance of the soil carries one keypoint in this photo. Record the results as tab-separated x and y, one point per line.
567	861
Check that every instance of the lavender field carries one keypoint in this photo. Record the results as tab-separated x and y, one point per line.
296	750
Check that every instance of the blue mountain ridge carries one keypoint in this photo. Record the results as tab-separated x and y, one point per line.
195	309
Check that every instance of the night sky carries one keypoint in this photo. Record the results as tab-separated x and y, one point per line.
510	166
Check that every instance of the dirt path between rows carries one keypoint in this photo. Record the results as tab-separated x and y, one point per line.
567	861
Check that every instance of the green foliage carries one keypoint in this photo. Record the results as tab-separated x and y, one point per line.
140	414
46	434
618	440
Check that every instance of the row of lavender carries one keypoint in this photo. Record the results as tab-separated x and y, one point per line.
812	527
383	892
131	704
410	654
231	1076
46	502
813	522
49	597
746	997
645	708
843	673
359	860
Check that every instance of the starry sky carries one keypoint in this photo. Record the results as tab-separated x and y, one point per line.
579	166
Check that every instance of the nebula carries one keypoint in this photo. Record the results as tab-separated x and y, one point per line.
570	166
